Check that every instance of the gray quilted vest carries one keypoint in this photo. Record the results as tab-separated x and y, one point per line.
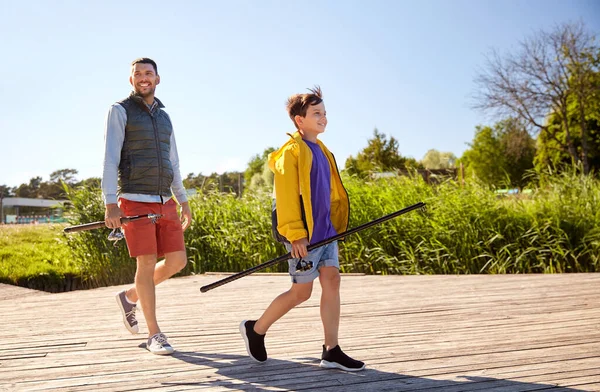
145	166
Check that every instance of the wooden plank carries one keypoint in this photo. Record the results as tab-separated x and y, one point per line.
479	332
8	292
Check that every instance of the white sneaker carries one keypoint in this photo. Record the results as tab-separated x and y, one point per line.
158	344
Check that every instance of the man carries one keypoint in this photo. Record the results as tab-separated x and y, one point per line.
141	174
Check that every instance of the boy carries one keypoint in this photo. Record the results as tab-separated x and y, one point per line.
312	205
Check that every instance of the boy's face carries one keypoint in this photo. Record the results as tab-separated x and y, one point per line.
315	121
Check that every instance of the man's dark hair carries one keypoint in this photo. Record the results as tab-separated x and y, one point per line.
145	60
298	104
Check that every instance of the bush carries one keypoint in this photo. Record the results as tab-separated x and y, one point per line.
464	230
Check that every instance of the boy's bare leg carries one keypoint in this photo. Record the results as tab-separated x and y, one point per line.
144	285
298	293
172	264
333	356
329	278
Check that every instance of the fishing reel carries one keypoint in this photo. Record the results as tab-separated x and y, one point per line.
304	265
116	235
154	217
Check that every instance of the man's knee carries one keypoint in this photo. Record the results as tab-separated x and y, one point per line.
176	260
146	261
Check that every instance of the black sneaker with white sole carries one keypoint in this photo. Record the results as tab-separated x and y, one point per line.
336	359
255	343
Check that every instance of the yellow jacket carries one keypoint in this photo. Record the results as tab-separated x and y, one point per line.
291	165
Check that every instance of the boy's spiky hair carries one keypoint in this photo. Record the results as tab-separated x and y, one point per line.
145	60
298	104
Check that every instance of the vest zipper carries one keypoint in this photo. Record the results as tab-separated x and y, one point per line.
158	152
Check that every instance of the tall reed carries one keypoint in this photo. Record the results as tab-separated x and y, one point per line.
465	230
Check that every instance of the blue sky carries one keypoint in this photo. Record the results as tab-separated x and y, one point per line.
227	67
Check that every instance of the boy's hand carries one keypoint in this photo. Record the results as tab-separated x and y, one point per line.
299	248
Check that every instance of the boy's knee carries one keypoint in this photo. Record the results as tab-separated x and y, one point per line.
331	280
302	295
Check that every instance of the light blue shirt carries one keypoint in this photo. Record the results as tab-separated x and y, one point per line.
114	135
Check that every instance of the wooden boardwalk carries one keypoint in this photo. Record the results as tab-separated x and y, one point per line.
416	333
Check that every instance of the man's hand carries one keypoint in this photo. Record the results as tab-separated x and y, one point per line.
299	248
186	215
112	216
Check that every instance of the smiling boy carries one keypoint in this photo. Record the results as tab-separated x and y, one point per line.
311	205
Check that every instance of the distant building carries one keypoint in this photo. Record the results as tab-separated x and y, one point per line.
48	209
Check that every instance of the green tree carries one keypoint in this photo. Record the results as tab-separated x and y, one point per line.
263	180
435	159
583	64
519	151
6	191
53	189
30	190
65	175
380	155
231	182
551	153
256	164
500	155
228	182
90	183
548	70
197	182
484	158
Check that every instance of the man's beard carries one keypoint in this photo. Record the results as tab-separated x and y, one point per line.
146	94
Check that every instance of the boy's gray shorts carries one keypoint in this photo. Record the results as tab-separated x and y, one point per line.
324	256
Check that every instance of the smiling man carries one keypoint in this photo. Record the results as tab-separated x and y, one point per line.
141	175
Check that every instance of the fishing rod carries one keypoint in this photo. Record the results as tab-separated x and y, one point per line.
99	224
287	256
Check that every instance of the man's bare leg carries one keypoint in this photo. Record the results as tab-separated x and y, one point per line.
172	264
144	285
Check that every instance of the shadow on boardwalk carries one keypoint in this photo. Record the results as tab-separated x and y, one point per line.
242	373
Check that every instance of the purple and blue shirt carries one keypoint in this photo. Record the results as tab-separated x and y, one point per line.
320	192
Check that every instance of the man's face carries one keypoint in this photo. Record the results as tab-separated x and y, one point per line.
144	79
315	120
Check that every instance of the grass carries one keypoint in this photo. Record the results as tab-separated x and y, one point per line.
465	230
35	252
